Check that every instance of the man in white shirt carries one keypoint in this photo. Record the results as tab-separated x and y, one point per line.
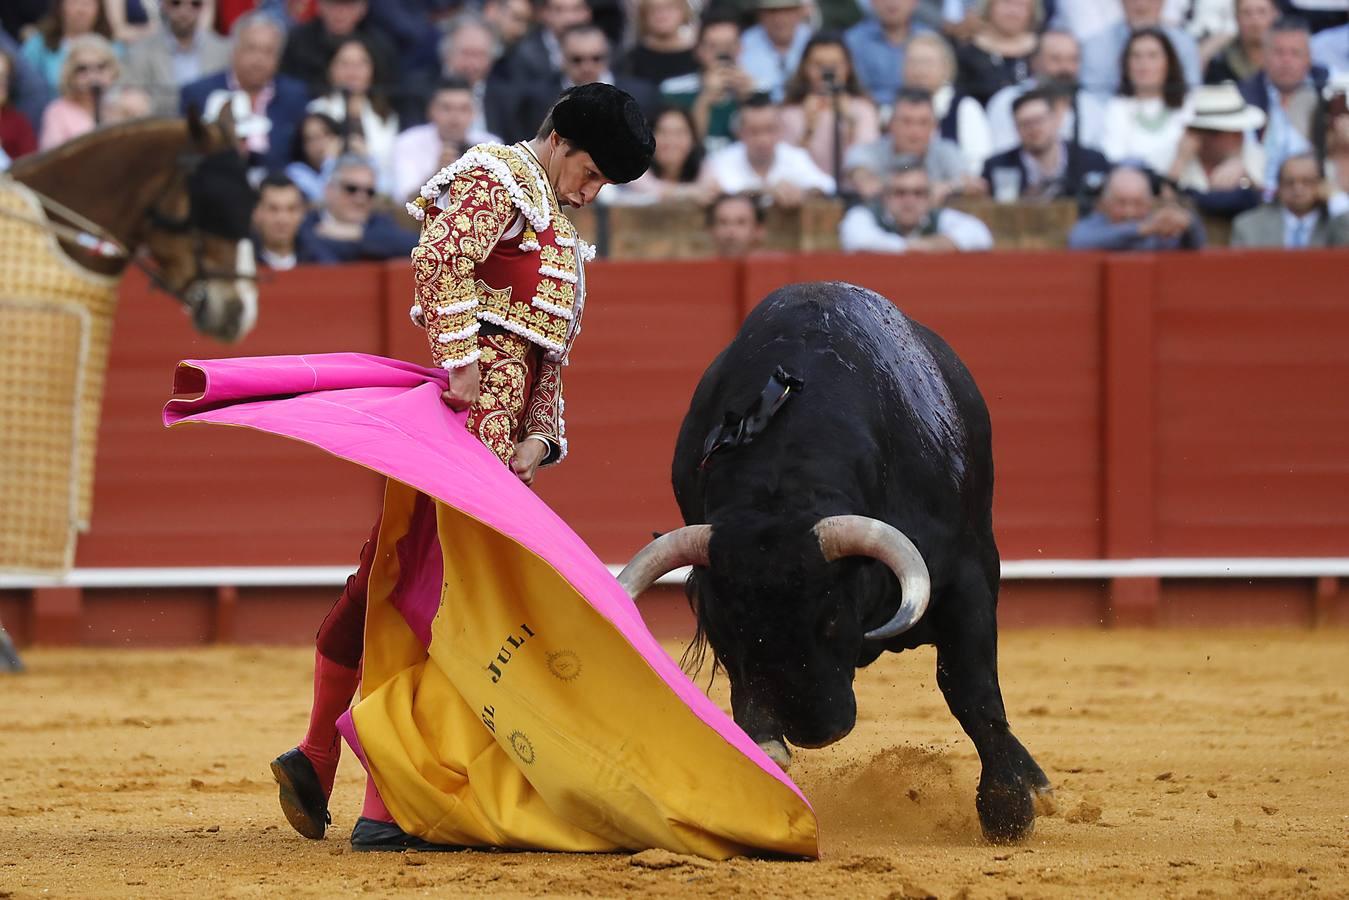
904	220
421	151
1298	219
759	161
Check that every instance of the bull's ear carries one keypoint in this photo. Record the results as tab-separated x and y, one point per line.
196	128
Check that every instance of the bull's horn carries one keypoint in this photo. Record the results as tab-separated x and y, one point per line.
685	546
842	536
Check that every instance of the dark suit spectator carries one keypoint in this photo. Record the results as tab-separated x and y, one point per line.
1220	164
999	53
17	137
736	225
585	59
1044	166
664	47
877	44
276	222
310	47
346	229
1287	90
1244	55
1128	218
715	92
28	90
177	52
537	58
1102	53
1298	218
255	53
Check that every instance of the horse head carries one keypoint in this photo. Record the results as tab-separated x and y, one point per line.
197	232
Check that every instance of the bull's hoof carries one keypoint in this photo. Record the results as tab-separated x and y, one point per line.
1006	812
1043	799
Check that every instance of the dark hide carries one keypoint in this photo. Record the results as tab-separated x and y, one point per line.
889	425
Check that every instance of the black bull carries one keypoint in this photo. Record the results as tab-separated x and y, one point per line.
825	508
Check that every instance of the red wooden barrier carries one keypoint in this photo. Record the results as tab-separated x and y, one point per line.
1142	406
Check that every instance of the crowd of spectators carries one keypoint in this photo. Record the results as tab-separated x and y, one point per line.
1148	114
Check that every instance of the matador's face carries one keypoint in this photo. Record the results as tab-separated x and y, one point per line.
575	177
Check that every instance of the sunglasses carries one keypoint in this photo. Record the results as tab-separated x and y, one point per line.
357	189
596	58
175	4
906	192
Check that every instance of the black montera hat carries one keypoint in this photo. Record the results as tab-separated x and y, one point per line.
608	124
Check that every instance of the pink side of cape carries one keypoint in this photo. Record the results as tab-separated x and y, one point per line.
388	416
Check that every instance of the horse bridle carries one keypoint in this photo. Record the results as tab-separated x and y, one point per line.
196	224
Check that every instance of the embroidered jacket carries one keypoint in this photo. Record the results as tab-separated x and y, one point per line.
496	247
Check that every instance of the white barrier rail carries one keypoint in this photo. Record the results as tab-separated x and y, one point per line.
1012	570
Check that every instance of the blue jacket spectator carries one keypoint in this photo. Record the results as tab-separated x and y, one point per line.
1127	220
346	230
877	44
254	58
771	50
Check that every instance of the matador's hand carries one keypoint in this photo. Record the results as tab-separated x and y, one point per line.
528	454
463	391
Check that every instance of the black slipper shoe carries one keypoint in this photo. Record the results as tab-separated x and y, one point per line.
301	795
370	835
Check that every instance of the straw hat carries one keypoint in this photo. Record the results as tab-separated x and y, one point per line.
1220	107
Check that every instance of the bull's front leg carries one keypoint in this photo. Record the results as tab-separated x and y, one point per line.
1012	787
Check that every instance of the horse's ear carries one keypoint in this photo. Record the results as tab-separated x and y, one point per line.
196	128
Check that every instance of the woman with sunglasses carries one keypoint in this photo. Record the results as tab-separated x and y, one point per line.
46	48
90	68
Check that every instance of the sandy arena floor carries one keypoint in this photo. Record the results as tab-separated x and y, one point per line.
1187	764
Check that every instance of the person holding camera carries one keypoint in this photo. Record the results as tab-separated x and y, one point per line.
826	112
714	93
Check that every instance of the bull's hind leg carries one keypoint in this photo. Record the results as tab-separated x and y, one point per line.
1012	787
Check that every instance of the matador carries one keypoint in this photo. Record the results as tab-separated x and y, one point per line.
499	287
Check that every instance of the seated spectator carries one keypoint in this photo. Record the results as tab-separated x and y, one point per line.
46	48
318	144
808	113
17	137
1298	217
1128	218
930	66
1288	91
715	93
1055	66
536	59
1102	53
467	53
906	219
1146	121
1244	56
89	68
999	53
912	133
357	103
675	167
1330	49
664	47
736	225
586	58
421	151
276	222
878	44
346	229
509	20
255	53
760	161
1044	166
123	103
28	90
1220	164
311	46
772	48
175	52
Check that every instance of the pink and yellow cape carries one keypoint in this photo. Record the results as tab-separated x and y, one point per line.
511	694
